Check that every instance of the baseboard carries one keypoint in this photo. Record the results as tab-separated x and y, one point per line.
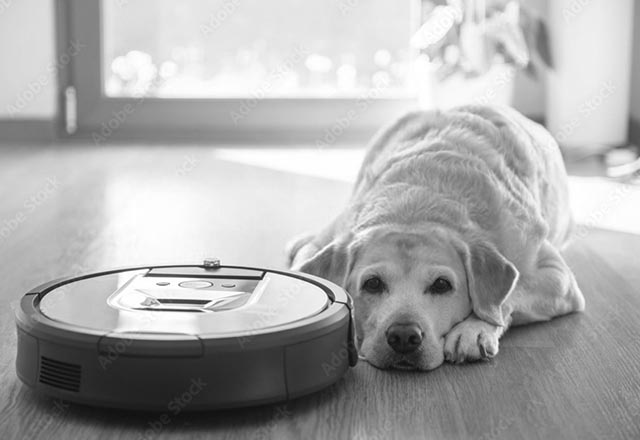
43	130
27	130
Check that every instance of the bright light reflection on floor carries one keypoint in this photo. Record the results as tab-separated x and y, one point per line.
336	164
595	202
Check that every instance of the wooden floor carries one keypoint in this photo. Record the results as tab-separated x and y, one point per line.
75	209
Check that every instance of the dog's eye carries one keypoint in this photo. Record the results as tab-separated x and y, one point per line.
373	285
441	285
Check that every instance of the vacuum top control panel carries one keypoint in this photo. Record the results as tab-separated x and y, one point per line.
187	300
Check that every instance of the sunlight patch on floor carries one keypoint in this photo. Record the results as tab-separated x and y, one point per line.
602	203
340	164
595	201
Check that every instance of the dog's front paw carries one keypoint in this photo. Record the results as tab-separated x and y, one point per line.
471	340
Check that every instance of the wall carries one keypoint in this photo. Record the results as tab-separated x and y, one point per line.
27	59
635	71
529	95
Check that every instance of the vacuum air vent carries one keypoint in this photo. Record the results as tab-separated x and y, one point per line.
60	374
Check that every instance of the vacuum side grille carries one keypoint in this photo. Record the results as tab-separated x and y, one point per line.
60	374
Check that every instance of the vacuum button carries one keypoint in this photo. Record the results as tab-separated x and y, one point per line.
199	284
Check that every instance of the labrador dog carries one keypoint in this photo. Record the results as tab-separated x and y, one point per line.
452	234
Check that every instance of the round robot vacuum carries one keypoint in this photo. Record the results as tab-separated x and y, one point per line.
187	337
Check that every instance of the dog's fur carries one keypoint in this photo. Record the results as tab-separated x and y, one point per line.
477	195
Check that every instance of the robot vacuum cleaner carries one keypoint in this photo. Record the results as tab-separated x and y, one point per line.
191	337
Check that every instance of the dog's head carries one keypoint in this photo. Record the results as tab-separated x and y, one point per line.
410	288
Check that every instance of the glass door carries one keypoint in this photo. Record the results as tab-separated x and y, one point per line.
249	70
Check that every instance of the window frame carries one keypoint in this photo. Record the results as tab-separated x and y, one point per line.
323	121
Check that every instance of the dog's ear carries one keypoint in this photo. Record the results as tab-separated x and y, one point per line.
330	262
300	248
490	279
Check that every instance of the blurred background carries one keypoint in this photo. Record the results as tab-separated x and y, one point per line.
568	63
249	119
157	131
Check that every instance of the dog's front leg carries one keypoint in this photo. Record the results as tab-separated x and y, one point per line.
546	291
471	340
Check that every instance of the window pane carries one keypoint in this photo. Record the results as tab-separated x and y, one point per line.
256	48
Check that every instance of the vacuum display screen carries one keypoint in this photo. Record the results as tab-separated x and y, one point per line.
195	302
188	294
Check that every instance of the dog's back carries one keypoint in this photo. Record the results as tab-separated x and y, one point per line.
469	152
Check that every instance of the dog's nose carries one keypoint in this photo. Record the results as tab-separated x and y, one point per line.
404	338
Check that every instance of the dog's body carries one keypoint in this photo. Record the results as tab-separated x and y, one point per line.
452	235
